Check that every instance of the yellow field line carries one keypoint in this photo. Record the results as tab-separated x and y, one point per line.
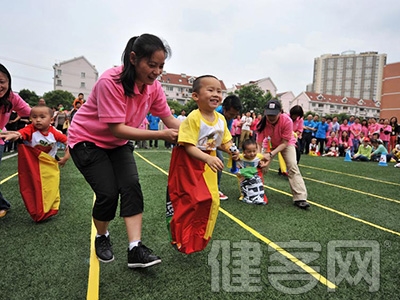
331	209
289	256
352	190
351	175
282	251
94	267
8	178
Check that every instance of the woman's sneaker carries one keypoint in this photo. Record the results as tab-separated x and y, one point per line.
104	252
142	257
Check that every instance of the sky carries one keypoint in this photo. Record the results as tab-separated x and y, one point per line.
237	41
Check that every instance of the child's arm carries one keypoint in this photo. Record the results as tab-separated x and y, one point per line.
65	158
10	135
212	161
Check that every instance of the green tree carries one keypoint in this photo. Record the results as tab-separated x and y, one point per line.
175	105
253	98
189	106
54	98
30	97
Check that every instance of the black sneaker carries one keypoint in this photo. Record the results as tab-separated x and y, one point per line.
142	257
104	252
303	204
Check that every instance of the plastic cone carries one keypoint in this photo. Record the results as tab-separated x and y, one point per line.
347	156
382	161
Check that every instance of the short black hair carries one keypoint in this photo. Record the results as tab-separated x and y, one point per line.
197	82
232	101
247	143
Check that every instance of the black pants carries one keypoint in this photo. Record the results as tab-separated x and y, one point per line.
111	173
306	140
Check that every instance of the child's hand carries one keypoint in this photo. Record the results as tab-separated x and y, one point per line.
215	163
62	161
10	135
235	155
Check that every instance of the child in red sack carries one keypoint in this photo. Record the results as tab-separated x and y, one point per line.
192	195
41	135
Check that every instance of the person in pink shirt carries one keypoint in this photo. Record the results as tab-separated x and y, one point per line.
296	113
386	129
100	146
355	130
332	138
344	127
9	102
345	143
364	127
279	128
373	127
236	129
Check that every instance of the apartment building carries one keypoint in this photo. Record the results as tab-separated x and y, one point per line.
349	74
76	76
390	102
323	105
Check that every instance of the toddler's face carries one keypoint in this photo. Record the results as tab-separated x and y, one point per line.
209	96
250	152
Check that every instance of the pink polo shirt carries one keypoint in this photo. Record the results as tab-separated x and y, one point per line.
107	103
283	129
19	105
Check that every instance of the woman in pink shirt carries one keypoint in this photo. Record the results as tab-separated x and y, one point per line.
236	129
355	130
279	128
344	127
100	141
9	102
364	127
386	129
373	127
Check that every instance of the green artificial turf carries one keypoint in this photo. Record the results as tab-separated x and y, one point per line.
351	202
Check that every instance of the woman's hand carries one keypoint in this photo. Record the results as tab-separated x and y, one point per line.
170	135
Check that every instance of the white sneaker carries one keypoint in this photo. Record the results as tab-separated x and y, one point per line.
397	165
222	196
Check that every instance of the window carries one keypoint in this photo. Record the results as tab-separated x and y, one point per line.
59	82
59	72
83	75
83	85
170	88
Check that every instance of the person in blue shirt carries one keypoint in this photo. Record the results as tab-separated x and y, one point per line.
322	129
230	108
308	130
153	125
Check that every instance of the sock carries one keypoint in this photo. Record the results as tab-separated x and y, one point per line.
133	244
106	234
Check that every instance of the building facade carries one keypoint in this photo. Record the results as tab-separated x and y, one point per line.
178	87
390	102
76	76
349	74
329	105
266	84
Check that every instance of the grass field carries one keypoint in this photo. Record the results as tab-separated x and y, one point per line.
347	246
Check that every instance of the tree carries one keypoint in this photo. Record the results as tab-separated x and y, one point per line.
175	105
30	97
54	98
189	106
253	98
